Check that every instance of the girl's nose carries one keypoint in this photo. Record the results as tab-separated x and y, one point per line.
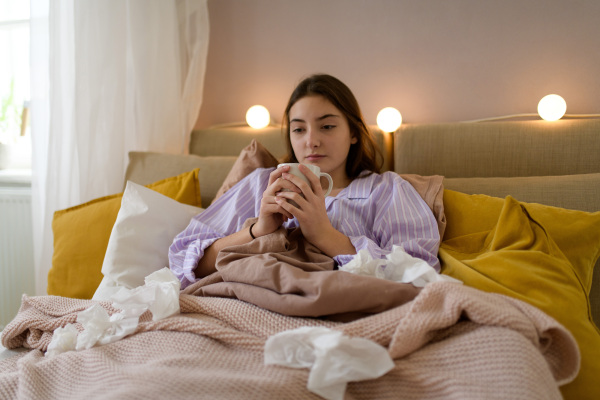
312	138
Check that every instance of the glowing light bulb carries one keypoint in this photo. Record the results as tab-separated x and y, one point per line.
389	119
258	117
552	107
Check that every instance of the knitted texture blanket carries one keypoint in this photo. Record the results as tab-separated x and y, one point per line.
450	342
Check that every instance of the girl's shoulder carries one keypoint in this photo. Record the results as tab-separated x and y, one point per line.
257	175
369	184
384	178
251	181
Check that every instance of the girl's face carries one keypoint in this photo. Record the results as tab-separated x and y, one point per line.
320	135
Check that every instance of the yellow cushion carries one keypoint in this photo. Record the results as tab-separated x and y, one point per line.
81	235
542	255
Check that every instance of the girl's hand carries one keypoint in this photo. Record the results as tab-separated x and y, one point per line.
307	205
271	214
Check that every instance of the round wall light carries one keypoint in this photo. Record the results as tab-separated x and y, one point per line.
389	119
552	107
258	117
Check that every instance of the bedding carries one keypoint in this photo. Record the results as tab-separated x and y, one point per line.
285	273
526	251
214	349
521	325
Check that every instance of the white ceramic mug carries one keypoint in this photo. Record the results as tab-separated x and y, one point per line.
315	170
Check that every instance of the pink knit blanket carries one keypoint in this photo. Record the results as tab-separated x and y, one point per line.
450	342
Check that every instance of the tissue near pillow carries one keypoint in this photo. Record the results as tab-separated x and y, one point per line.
81	235
139	242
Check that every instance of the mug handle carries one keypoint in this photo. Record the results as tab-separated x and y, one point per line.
326	175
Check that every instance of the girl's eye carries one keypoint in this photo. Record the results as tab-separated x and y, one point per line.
296	130
328	127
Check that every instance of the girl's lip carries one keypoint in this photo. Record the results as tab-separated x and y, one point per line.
314	157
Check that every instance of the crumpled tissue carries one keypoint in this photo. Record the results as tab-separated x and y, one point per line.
398	266
63	339
333	358
159	294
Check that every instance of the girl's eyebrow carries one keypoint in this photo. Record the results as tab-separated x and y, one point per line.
327	116
318	119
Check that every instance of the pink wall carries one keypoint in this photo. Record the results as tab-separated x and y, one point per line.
434	60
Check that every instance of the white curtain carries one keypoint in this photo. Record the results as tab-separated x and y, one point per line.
108	77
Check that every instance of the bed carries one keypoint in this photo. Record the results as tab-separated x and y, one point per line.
518	205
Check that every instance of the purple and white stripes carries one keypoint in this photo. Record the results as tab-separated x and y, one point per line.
374	211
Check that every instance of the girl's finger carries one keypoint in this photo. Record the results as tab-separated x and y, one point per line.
276	173
314	180
282	205
286	184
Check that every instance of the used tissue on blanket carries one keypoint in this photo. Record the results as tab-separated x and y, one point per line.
159	294
398	266
333	358
63	339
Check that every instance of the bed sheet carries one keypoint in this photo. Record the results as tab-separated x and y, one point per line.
451	341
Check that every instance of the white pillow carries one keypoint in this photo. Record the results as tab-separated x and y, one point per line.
139	242
106	289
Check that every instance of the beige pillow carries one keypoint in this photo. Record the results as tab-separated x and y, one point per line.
253	156
147	167
431	189
574	192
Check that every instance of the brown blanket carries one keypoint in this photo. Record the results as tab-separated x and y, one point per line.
283	272
451	342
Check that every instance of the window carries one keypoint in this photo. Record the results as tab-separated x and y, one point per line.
14	81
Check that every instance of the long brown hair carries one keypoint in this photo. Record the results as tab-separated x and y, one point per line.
364	154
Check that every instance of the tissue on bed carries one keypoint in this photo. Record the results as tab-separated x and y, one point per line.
101	328
160	295
333	358
63	339
398	266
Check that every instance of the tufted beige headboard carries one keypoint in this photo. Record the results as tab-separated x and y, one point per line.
553	163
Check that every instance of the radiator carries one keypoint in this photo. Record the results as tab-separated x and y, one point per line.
16	250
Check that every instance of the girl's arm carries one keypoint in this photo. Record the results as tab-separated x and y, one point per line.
194	251
224	217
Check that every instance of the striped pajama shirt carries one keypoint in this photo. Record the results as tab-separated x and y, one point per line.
375	211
